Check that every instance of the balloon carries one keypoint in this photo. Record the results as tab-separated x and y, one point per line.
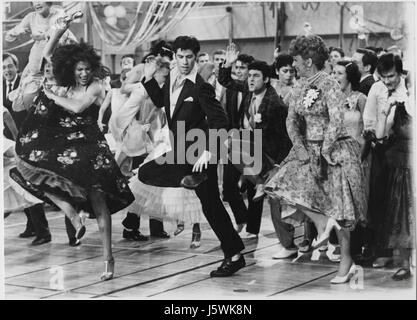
111	21
396	34
120	11
123	23
109	11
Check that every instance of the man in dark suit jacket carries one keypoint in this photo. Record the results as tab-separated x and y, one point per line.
366	61
190	103
262	109
11	81
362	237
234	107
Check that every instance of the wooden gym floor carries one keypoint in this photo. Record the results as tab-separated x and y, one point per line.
169	269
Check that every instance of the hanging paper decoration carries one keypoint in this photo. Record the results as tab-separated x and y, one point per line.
132	23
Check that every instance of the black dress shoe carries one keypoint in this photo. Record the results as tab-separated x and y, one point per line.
74	242
161	234
39	241
134	235
228	267
192	181
27	234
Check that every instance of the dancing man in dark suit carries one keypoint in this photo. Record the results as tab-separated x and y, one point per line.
262	109
190	103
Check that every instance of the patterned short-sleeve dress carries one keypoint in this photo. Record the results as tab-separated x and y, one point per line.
65	154
315	125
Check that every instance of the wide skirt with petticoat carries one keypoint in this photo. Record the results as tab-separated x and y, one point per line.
65	154
338	191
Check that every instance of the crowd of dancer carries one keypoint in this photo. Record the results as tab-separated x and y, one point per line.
336	145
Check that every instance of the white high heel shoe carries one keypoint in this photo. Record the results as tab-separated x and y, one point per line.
346	278
108	270
331	223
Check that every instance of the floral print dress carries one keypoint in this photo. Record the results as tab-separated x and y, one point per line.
315	126
65	154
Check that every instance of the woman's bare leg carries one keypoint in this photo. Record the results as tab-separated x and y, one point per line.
345	257
67	208
103	217
319	220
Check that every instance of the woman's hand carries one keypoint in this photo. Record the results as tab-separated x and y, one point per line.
49	94
38	36
100	124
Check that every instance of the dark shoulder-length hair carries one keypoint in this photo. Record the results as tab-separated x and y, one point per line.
310	46
66	57
353	74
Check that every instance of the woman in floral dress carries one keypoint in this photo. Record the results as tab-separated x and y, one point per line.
322	176
348	75
63	157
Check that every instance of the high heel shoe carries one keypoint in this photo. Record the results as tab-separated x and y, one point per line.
108	270
346	278
180	228
78	223
299	255
195	240
331	223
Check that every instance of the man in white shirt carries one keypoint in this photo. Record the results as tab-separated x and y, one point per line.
391	88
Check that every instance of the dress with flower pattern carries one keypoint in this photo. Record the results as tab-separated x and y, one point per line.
315	126
65	154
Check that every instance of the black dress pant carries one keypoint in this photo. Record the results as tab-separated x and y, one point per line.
37	221
251	215
132	222
216	214
285	231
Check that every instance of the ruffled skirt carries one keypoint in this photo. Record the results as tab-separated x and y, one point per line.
165	203
15	198
337	191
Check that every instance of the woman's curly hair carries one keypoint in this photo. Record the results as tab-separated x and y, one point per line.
66	57
310	46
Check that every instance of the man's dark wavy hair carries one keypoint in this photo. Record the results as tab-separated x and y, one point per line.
388	61
162	48
261	66
65	58
245	58
186	42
